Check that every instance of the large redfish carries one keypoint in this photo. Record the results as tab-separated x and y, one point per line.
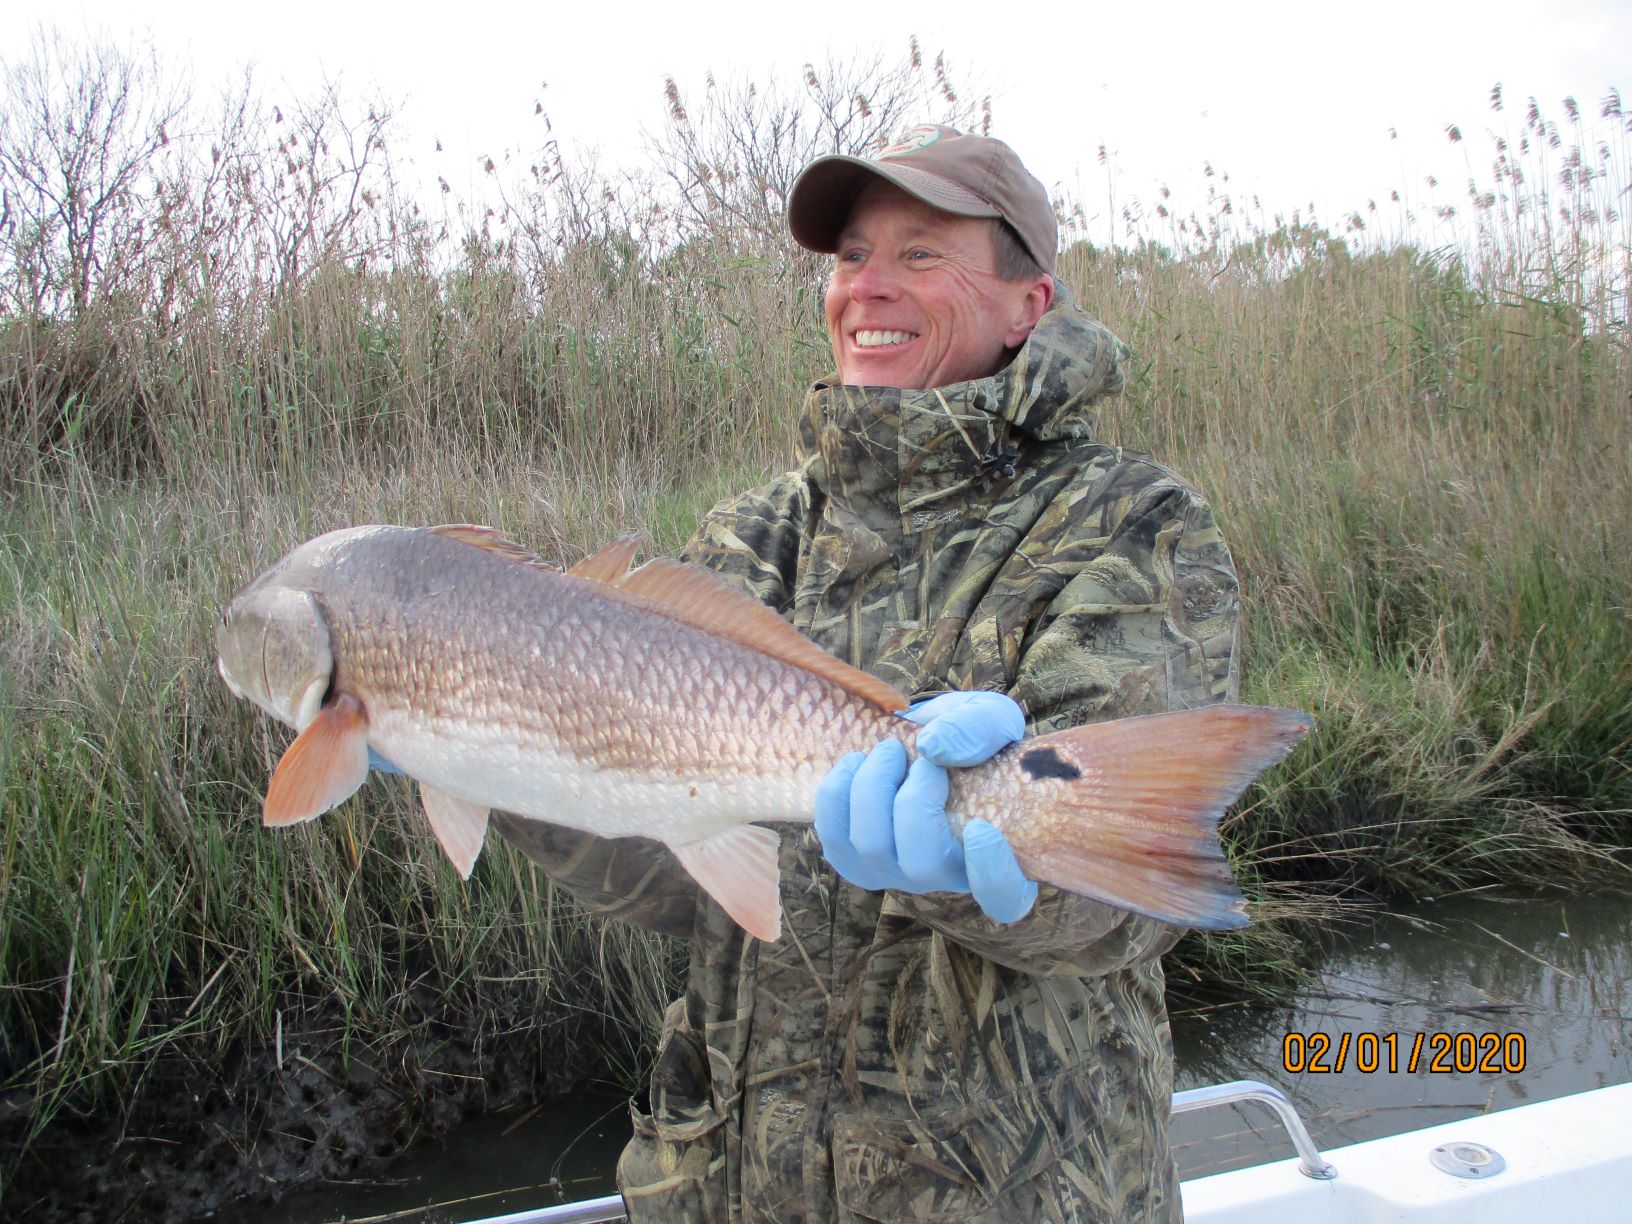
658	701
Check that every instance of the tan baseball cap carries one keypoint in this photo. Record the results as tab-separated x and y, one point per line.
972	176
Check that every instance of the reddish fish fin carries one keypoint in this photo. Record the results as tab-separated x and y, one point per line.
460	827
1127	812
738	868
323	767
611	562
702	600
494	541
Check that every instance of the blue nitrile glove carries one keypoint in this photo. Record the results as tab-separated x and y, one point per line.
883	825
380	765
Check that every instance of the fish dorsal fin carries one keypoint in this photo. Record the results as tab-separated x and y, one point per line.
493	541
698	598
611	562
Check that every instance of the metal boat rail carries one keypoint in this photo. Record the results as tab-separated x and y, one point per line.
608	1210
588	1211
1310	1162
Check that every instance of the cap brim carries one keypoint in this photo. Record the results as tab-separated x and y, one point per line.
820	202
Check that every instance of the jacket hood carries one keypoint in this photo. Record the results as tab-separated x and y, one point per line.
914	452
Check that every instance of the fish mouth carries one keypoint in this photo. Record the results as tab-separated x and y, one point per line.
226	676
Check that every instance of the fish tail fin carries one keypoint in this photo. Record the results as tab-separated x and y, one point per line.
1127	811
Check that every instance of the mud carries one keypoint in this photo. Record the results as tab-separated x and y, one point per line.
194	1138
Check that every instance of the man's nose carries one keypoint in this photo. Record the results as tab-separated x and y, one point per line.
875	280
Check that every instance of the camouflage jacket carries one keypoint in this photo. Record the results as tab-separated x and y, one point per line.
898	1057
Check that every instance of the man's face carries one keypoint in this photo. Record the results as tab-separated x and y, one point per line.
913	300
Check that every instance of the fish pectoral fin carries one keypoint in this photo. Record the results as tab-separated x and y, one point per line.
323	767
460	827
738	868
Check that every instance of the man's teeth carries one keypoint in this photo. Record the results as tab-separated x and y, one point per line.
872	339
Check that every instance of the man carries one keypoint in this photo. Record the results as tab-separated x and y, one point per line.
934	1037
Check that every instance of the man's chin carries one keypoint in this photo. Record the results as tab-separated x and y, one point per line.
880	372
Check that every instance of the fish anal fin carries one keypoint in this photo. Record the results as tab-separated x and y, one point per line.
738	868
460	827
323	767
611	562
492	540
700	599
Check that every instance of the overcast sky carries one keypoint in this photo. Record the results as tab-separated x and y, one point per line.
1294	101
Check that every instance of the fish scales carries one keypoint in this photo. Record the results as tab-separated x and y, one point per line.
658	702
632	702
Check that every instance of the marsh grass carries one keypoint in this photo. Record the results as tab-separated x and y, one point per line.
1418	456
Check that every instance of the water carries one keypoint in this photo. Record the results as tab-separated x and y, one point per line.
1521	999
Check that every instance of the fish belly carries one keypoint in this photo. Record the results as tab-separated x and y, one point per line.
548	781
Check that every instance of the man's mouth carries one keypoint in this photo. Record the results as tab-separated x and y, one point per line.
877	339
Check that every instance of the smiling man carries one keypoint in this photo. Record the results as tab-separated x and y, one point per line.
934	1037
916	299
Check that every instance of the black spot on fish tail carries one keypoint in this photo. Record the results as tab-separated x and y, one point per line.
1042	763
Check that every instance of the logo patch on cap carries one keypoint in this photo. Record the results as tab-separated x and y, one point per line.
911	141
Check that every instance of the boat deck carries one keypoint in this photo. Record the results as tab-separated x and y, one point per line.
1564	1159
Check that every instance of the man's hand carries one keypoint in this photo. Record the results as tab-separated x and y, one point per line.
883	825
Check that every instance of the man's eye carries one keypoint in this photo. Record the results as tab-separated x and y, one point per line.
918	254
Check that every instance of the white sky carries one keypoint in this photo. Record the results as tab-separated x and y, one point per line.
1294	101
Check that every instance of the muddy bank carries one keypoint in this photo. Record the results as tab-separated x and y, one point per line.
196	1136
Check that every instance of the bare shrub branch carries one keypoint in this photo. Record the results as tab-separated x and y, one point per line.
732	158
83	129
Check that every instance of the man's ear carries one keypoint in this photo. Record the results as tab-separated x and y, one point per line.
1038	298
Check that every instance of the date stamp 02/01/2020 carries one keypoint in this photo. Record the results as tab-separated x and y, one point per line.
1439	1053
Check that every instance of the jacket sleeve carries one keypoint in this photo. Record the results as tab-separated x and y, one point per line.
632	879
1151	623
